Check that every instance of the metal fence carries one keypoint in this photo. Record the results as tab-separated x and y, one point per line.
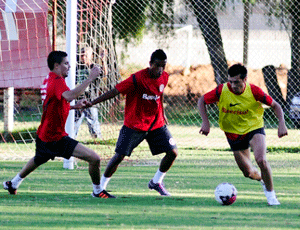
202	39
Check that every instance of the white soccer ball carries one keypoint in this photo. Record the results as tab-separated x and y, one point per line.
225	193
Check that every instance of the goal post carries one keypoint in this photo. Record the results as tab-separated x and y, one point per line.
71	41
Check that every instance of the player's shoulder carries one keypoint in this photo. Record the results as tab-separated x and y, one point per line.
141	72
255	89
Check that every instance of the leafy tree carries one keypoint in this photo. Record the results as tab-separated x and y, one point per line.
289	13
208	23
130	17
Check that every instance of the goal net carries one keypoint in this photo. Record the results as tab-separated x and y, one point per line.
47	19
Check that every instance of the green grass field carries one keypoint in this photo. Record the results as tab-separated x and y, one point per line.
56	198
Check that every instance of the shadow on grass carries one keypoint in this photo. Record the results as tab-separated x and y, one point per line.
68	210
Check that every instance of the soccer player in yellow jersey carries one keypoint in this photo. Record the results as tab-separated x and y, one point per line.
241	118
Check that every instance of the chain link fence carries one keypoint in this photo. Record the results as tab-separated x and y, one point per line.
202	39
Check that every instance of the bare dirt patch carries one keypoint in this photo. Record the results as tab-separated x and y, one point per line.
199	79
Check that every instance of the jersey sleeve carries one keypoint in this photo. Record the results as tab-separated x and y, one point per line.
214	95
126	86
260	95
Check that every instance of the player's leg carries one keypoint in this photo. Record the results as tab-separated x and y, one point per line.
168	160
111	168
258	144
159	141
240	144
14	184
243	160
127	141
88	155
41	157
113	164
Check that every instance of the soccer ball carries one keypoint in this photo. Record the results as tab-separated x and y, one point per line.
225	193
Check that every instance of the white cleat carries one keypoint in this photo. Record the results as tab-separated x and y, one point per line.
273	201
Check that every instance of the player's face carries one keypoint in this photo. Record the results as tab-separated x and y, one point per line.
64	67
237	84
157	67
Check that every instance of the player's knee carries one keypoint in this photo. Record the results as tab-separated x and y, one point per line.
118	158
173	154
95	159
262	163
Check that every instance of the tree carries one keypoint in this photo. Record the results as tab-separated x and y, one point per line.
294	74
208	23
289	13
130	16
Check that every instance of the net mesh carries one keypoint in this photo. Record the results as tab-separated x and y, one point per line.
201	39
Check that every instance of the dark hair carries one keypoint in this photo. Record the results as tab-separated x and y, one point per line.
237	69
55	57
158	55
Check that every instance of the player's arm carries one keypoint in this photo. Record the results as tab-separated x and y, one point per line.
208	98
163	111
282	129
123	87
74	93
205	127
259	95
105	96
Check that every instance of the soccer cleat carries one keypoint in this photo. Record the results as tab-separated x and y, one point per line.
7	185
273	201
159	187
103	194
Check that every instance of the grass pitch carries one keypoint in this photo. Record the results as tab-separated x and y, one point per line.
56	198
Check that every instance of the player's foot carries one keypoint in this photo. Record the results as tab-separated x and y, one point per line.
159	187
103	194
273	201
7	185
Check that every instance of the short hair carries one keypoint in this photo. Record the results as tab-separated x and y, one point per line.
158	55
55	57
238	69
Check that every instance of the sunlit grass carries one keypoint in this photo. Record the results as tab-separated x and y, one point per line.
56	198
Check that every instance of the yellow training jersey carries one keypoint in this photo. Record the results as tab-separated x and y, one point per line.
239	114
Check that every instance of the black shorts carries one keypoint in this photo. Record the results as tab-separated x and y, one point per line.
159	140
49	150
242	142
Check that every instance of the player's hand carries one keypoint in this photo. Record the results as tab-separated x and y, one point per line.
205	129
282	130
95	72
81	104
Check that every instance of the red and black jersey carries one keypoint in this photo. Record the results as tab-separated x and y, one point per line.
143	106
55	109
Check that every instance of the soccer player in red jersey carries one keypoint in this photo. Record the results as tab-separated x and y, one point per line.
144	120
52	140
241	118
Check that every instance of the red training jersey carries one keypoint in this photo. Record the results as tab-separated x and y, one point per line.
143	105
55	109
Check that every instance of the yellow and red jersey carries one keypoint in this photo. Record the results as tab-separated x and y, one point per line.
239	113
